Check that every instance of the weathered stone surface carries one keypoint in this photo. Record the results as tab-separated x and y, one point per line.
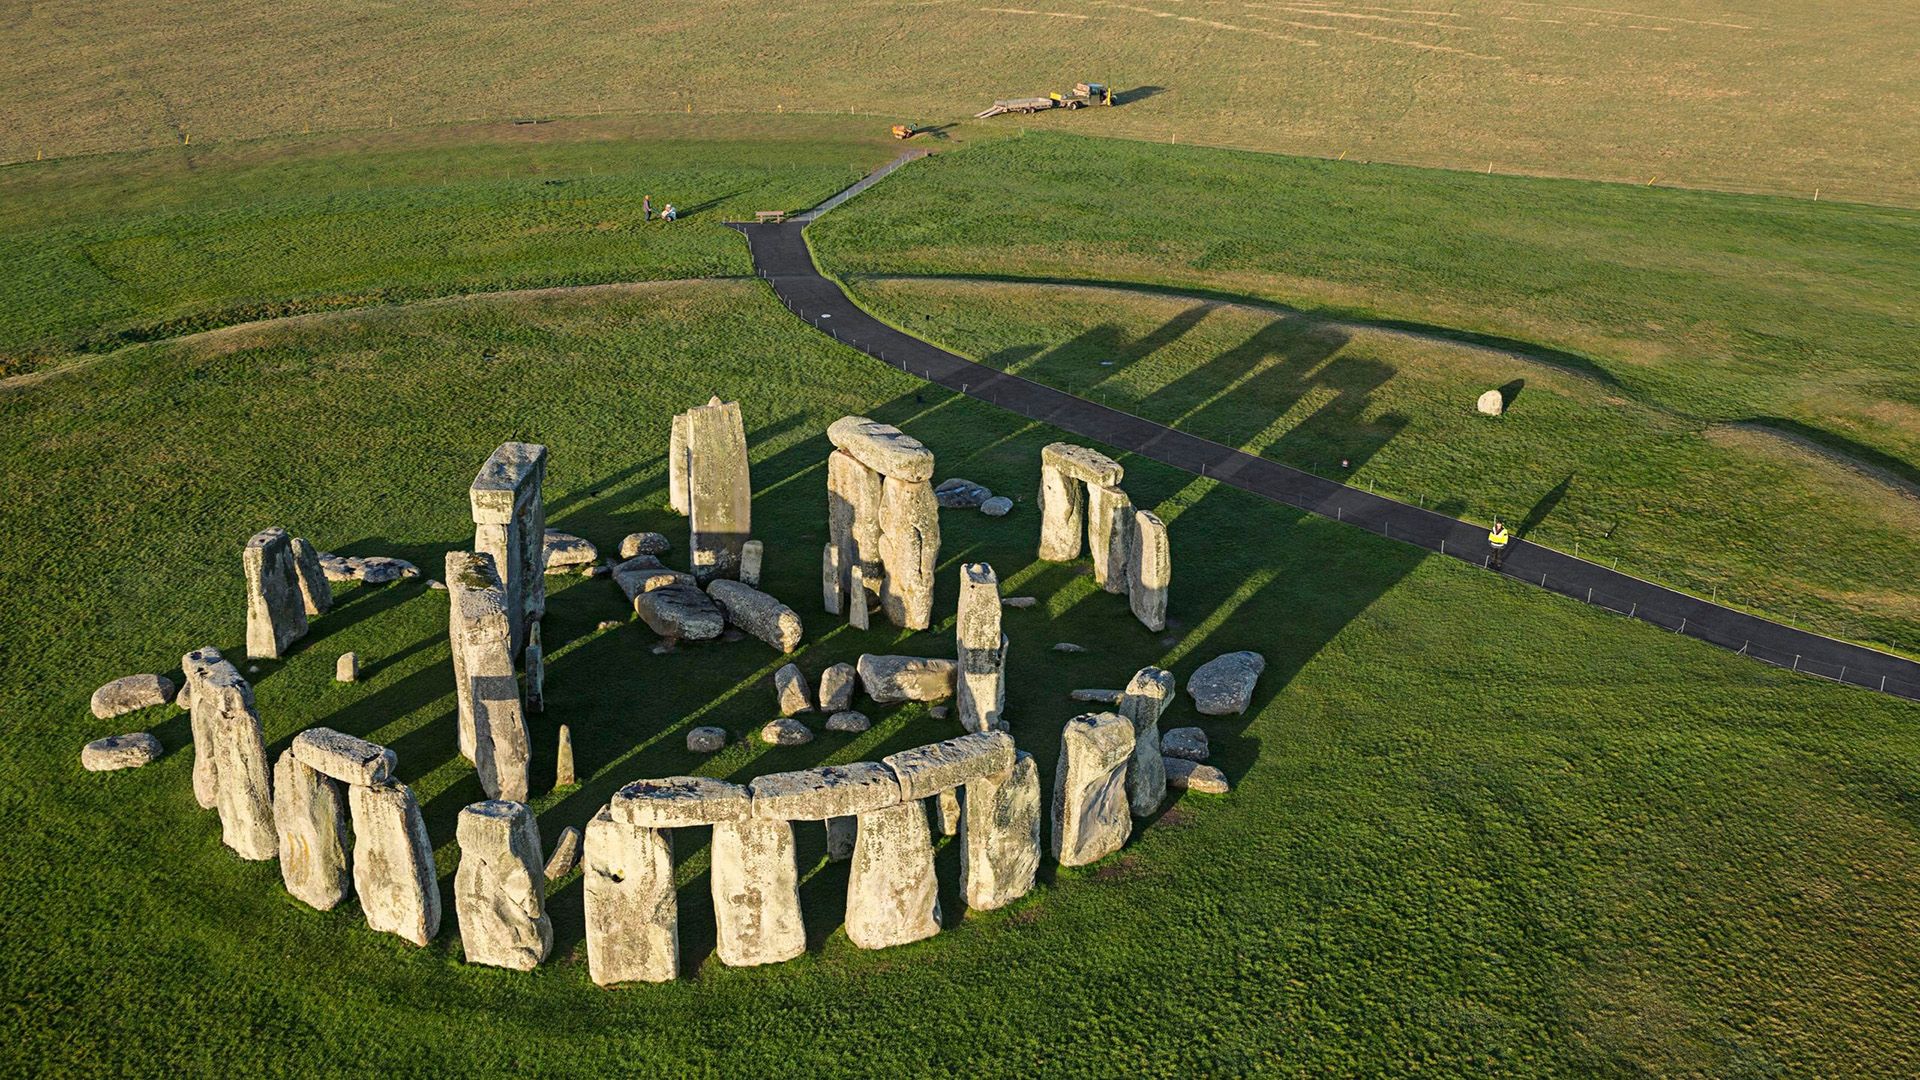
1019	602
883	448
679	467
679	610
889	679
1110	528
757	613
1085	464
339	568
510	524
131	692
343	757
836	688
196	667
393	872
478	630
565	553
1492	403
310	821
1090	810
833	580
120	752
849	721
633	919
1000	835
1184	775
1185	742
706	740
893	896
825	792
347	668
752	554
756	893
719	489
276	612
981	681
786	731
499	891
943	813
644	543
853	519
1147	696
957	494
1096	697
859	597
791	692
563	761
676	802
645	573
533	662
998	506
183	700
316	593
909	551
566	852
1150	570
243	784
1063	514
841	832
1224	685
380	569
936	767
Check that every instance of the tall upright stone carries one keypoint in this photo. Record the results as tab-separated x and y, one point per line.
195	668
980	690
859	599
1091	818
534	665
853	522
393	872
909	551
1066	471
1150	571
1144	699
679	466
315	589
633	918
310	820
893	895
1110	536
756	893
499	890
276	611
1000	835
491	723
719	489
833	580
510	524
243	784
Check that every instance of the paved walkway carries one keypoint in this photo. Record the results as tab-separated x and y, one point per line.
780	254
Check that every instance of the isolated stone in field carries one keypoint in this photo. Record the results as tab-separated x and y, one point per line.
310	823
1150	571
705	740
1000	835
197	667
120	752
565	553
1146	697
909	551
563	762
679	467
859	598
315	591
492	723
566	852
790	691
942	766
957	494
1184	775
243	784
633	919
786	731
719	489
1492	403
347	668
756	893
998	506
680	611
1185	742
676	802
1224	685
1068	647
981	681
841	833
1096	697
757	613
1110	529
849	721
890	679
1090	810
276	612
825	792
836	688
644	543
393	872
343	757
510	524
883	448
752	554
499	891
893	896
131	692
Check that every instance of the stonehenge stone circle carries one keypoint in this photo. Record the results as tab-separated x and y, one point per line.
1146	697
981	679
1091	818
1150	566
1224	685
644	543
936	767
499	889
883	524
492	726
786	731
510	524
393	872
756	893
120	752
1492	403
310	821
757	613
1185	742
883	448
893	895
752	554
1000	835
565	553
276	611
237	756
1184	775
890	679
836	688
676	802
909	551
1110	537
316	592
345	758
790	691
130	693
1066	471
633	921
719	488
828	791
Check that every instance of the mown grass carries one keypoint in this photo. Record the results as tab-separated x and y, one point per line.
1476	828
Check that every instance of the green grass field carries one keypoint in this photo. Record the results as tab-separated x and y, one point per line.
1476	829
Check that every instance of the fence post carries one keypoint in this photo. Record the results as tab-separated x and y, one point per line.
1635	611
1796	661
1683	626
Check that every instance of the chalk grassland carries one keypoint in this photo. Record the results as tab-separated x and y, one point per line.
1477	829
1772	95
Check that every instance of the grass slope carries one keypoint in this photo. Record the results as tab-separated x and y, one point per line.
1476	829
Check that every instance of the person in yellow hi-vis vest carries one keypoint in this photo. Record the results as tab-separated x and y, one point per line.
1498	538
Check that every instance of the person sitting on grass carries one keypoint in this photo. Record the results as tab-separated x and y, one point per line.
669	214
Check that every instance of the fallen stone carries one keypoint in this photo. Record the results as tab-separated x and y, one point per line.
890	679
393	872
343	757
510	524
676	802
752	554
1149	571
848	721
183	700
310	824
825	792
1491	403
338	568
705	740
633	920
836	688
883	448
998	506
1000	835
719	489
499	892
566	852
1068	647
756	893
1184	775
757	613
643	574
644	543
381	570
565	553
1019	601
120	752
893	895
1224	685
790	691
938	712
1096	697
1090	809
276	612
1147	696
958	494
680	611
909	551
942	766
980	650
315	591
1185	742
1110	529
786	731
131	692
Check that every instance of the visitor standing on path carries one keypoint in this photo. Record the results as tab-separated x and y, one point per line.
646	208
1498	539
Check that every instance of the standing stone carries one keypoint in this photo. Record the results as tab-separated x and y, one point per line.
347	668
944	812
859	595
196	668
679	466
310	820
633	920
315	591
790	690
893	896
503	748
757	613
1062	514
756	893
836	688
1146	697
1150	571
1000	835
1110	528
981	684
276	613
752	553
853	517
909	551
243	785
393	872
833	580
719	489
841	833
510	524
1090	811
566	851
563	768
534	661
499	891
492	726
1492	403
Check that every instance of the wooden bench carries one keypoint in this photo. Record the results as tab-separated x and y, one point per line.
766	217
